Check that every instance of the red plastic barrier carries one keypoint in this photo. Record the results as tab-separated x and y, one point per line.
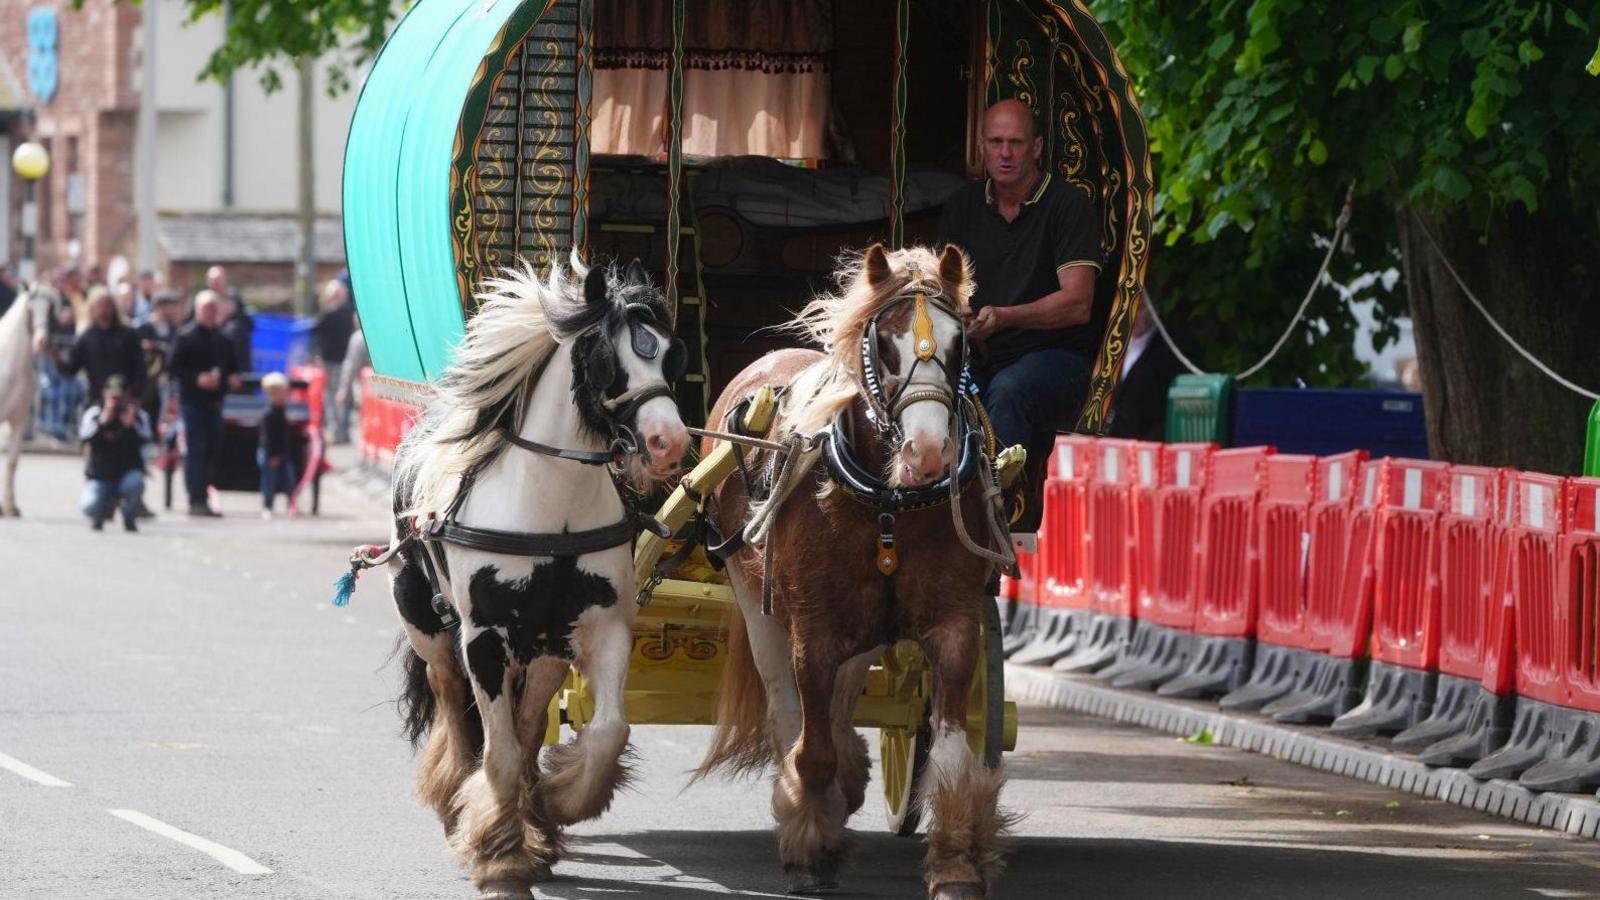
1536	511
1108	555
1333	531
1579	592
1147	456
1185	472
1284	539
384	423
1061	559
1226	603
1470	538
1500	646
1405	607
1347	625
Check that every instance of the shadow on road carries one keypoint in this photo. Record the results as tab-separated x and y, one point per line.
713	864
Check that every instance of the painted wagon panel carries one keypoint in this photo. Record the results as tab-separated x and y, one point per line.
461	157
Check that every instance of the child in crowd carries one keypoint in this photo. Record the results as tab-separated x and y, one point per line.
273	453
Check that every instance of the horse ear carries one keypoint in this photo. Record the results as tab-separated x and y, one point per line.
636	273
594	286
953	267
877	265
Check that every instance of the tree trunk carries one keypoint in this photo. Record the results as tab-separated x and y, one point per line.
306	269
1485	404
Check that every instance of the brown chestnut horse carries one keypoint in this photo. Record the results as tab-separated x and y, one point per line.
863	552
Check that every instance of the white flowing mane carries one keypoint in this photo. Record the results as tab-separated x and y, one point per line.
505	346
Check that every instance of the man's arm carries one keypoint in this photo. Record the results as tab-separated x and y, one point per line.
1062	308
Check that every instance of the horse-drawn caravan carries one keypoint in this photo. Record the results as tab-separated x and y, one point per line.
809	574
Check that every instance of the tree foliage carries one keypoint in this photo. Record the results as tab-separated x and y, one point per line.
1261	112
267	36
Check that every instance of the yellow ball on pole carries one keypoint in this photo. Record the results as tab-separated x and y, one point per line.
30	161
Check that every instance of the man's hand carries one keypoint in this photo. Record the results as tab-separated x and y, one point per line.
234	382
107	413
129	414
984	323
207	381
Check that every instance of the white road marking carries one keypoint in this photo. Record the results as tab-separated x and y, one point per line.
233	859
30	773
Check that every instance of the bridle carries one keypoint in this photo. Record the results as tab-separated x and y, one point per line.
602	373
883	412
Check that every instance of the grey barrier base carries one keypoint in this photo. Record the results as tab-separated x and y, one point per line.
1220	665
1019	628
1452	710
1056	635
1154	655
1398	697
1101	643
1276	673
1573	814
1329	687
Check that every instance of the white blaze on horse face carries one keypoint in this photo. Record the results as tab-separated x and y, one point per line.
929	447
661	430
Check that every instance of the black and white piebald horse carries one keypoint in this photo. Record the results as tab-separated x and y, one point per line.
505	502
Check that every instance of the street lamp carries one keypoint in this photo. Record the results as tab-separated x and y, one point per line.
30	161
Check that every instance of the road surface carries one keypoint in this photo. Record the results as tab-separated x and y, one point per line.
184	715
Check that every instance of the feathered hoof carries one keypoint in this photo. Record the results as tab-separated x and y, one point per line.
958	890
810	882
506	889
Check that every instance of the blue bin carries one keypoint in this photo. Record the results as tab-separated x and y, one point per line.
1323	421
279	342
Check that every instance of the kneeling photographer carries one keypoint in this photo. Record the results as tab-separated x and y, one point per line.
114	433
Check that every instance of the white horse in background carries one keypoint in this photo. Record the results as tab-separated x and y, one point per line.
24	330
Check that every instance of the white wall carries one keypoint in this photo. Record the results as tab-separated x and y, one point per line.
190	162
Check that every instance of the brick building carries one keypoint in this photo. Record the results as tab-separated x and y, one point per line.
225	154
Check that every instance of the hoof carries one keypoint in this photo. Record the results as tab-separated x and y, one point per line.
958	890
505	889
808	882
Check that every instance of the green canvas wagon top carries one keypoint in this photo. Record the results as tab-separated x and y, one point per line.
736	146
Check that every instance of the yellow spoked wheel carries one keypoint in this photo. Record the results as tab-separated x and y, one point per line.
905	756
903	751
991	722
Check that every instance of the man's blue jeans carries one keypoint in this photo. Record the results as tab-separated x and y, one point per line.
202	434
102	496
1034	397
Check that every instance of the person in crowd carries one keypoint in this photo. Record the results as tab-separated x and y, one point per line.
273	452
146	291
1034	245
60	395
127	301
237	323
355	359
330	339
158	334
1139	410
204	367
114	433
107	347
69	282
9	288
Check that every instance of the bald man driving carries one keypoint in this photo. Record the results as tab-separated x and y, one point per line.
1035	249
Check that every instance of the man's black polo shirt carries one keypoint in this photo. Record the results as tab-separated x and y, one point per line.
1016	262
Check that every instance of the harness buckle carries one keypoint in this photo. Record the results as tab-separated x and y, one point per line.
888	556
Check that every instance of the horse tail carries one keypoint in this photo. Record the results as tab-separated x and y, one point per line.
417	701
740	744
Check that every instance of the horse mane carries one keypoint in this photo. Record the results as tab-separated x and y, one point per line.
836	321
520	323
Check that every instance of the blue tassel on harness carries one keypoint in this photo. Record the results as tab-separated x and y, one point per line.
344	588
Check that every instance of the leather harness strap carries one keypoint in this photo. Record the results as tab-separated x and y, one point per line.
515	543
